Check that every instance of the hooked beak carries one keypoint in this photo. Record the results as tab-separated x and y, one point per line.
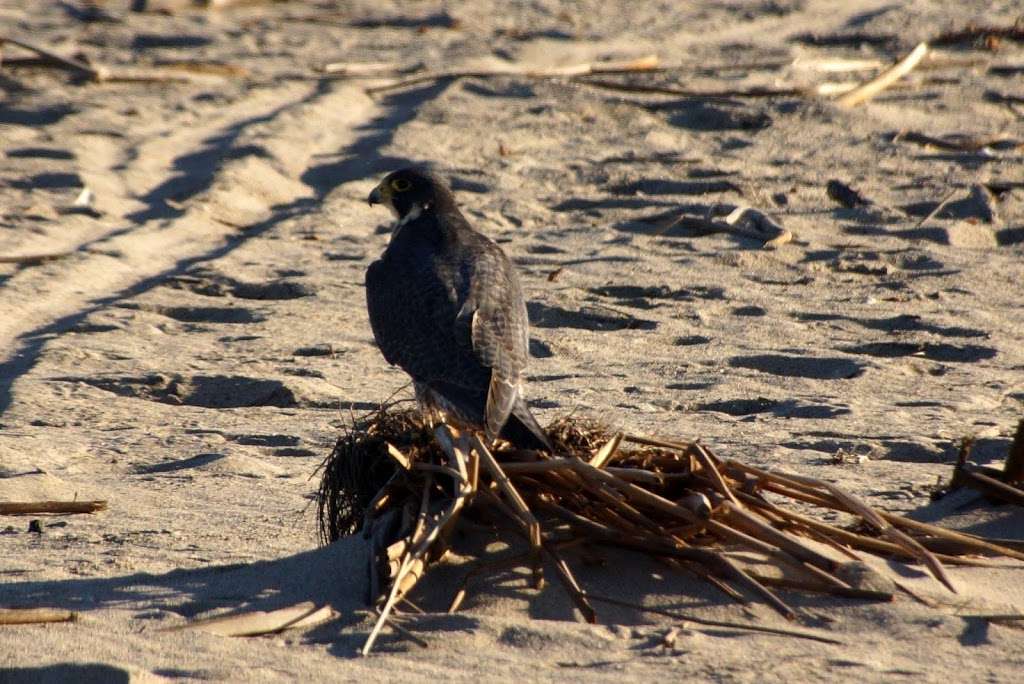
376	196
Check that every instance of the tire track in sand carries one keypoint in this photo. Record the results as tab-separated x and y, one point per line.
264	155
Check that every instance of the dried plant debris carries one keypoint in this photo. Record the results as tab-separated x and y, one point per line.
1004	486
404	485
981	36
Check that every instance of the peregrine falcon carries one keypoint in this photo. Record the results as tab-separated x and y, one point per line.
446	306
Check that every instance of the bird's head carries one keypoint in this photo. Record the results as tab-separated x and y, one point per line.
412	191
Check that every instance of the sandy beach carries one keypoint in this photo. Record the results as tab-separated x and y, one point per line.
184	234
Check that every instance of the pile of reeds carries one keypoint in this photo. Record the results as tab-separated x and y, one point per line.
404	486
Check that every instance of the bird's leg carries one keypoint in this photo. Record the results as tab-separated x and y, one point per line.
488	461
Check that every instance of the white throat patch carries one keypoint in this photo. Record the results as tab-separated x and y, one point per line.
413	214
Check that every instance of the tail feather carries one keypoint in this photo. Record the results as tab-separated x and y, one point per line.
523	431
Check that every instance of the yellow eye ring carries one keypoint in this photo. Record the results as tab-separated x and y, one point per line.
400	185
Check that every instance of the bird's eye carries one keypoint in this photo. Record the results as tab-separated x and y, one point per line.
400	185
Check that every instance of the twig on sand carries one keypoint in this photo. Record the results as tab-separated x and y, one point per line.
937	210
96	73
988	485
32	259
989	36
958	143
35	616
885	79
753	91
647	63
724	624
367	69
37	507
180	72
258	622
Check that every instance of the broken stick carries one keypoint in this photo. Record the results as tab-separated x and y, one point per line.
884	79
36	507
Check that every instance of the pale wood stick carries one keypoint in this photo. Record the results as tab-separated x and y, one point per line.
884	79
34	507
716	477
572	587
943	533
362	68
414	562
489	462
29	259
33	616
97	73
398	457
895	535
787	543
257	622
607	452
937	210
660	547
754	91
989	486
526	71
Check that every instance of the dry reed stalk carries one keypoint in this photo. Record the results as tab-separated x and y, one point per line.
885	79
990	486
898	537
606	453
488	461
572	587
673	501
96	73
974	542
716	477
414	561
646	63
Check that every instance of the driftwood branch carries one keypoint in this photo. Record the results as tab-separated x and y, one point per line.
40	507
32	259
35	616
